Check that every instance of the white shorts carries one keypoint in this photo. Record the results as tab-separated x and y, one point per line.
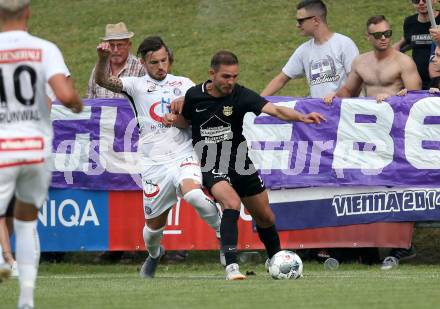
161	184
29	181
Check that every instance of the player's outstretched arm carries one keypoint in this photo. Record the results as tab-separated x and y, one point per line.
102	77
288	114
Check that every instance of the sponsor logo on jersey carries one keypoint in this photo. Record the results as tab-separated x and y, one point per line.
20	55
216	130
21	144
176	83
151	86
177	92
158	109
227	110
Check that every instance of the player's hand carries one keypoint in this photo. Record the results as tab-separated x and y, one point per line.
382	97
402	92
103	50
169	119
328	99
434	90
313	118
176	106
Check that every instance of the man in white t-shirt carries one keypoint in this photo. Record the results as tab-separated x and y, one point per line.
27	64
169	164
325	60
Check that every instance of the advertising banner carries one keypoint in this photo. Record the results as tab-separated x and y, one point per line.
80	220
362	143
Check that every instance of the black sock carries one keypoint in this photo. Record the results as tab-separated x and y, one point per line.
229	234
269	237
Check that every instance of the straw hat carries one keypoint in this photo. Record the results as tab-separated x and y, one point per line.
117	31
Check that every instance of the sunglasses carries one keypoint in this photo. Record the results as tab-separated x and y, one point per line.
417	1
300	21
378	35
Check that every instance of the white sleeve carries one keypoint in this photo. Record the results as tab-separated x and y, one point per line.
294	67
54	62
128	84
349	53
49	90
187	83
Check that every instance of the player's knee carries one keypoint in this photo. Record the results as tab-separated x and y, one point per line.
198	199
149	232
265	220
231	203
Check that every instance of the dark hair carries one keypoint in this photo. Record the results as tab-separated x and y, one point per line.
223	57
317	6
152	44
373	20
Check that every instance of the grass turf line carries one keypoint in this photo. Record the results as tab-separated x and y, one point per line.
203	286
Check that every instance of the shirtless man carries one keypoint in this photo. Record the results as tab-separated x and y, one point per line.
382	72
434	67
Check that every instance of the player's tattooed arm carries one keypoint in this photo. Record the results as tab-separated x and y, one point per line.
102	77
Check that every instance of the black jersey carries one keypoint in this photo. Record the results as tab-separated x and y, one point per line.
417	35
217	124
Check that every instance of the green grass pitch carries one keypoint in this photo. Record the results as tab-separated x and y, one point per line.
194	285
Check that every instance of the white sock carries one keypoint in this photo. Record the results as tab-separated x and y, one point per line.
152	240
2	260
205	207
28	256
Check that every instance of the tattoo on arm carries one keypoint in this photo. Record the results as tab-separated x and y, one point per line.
103	79
114	84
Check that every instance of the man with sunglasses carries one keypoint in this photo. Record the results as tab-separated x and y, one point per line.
416	36
325	60
382	72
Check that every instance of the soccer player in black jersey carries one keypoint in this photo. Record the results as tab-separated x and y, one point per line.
216	109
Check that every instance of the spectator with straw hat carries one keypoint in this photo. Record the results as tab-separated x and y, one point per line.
122	62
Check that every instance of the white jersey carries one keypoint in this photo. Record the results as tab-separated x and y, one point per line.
26	65
150	100
326	66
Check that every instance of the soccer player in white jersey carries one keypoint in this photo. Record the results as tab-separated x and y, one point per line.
169	165
27	64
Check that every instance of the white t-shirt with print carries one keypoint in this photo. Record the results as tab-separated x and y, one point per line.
150	101
326	66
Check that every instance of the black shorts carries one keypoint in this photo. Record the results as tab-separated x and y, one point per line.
244	185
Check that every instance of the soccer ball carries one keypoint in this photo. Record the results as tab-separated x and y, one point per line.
285	265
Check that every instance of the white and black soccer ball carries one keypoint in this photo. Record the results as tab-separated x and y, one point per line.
285	265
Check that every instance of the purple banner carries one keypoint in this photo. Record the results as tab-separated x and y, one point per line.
395	143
